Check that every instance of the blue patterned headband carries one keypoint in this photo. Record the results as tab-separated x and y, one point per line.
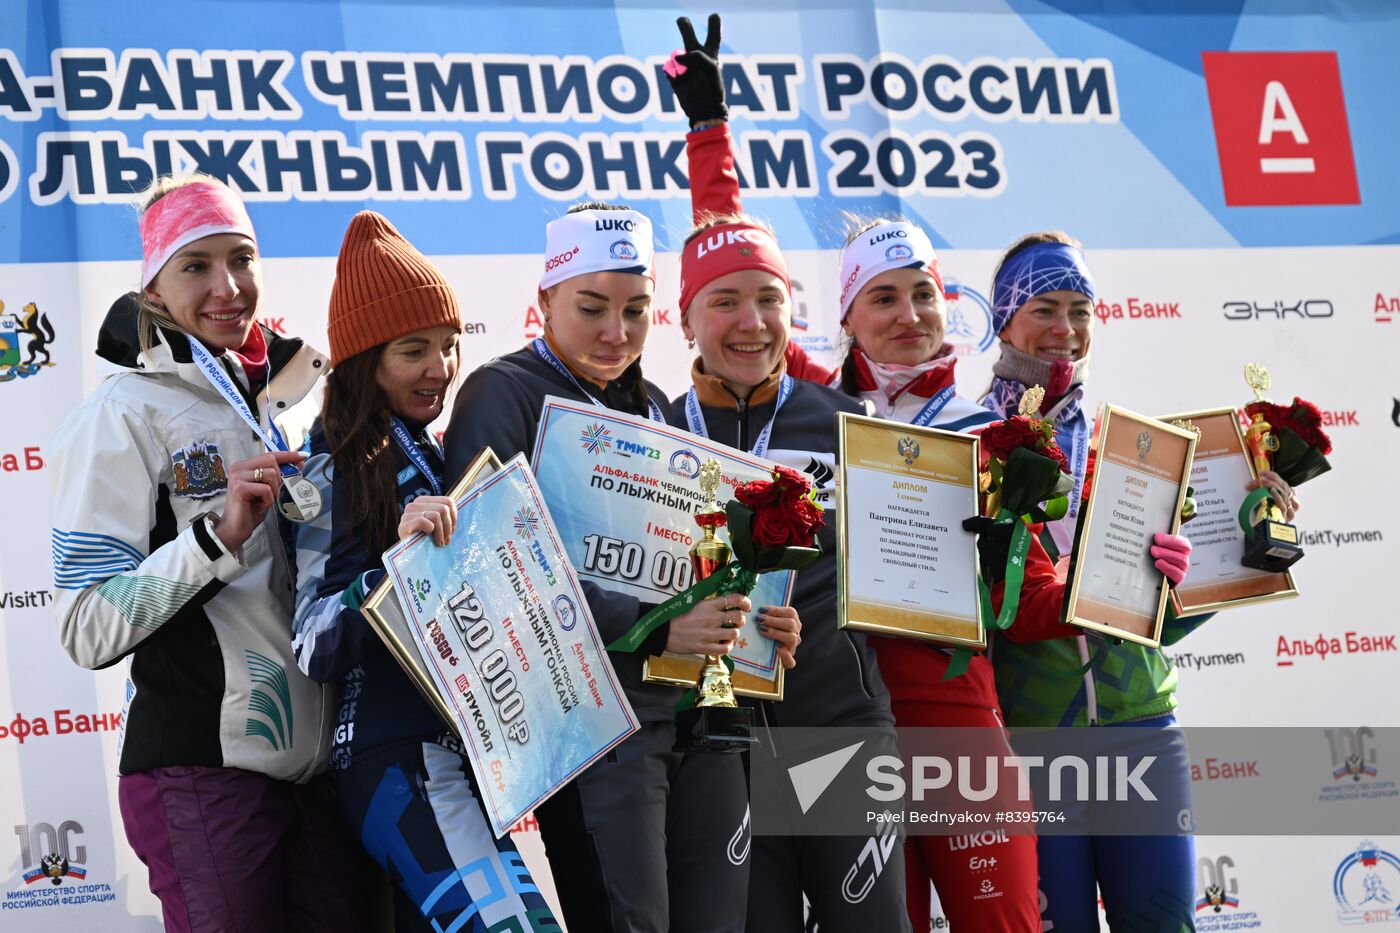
1044	267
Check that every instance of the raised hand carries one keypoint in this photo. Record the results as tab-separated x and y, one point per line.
695	74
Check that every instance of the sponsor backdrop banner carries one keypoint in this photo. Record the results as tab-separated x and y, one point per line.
1230	173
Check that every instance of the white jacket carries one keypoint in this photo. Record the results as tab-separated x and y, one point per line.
139	575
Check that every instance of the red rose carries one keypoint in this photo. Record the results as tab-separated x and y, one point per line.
807	519
758	494
792	481
1002	437
771	528
1092	459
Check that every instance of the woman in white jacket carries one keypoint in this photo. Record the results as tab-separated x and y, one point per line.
164	555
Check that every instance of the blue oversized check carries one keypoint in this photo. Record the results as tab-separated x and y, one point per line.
624	491
502	623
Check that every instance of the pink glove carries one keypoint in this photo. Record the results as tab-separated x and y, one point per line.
1171	555
673	66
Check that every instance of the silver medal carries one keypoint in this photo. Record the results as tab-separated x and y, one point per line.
299	499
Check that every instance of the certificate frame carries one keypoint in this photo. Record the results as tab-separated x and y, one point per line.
1186	605
762	682
381	608
1079	609
924	455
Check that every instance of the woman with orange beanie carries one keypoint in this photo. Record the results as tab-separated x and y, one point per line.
404	782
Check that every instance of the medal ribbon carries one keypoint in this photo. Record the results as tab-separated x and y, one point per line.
543	351
1010	593
223	384
696	419
933	406
410	449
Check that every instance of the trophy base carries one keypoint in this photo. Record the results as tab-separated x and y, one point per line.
1271	546
714	729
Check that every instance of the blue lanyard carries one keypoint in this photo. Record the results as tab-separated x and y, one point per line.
933	406
696	419
1079	458
223	384
410	449
543	351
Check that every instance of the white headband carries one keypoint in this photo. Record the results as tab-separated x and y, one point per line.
894	245
597	241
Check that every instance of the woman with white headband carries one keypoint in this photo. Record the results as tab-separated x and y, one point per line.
647	839
165	556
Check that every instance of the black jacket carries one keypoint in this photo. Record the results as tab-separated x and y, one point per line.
499	406
836	680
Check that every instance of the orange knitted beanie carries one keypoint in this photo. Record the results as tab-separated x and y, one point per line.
384	289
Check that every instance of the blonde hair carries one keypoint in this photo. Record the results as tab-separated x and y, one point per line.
150	315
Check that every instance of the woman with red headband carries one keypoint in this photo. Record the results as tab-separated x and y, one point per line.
736	308
165	556
648	839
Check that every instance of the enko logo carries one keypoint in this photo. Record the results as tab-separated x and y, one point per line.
1281	128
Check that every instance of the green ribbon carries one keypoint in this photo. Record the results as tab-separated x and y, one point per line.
731	578
1250	502
1010	593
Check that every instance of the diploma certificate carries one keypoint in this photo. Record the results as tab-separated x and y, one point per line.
1219	472
501	624
623	492
907	566
1139	483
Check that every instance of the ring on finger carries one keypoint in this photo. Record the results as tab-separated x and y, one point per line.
258	475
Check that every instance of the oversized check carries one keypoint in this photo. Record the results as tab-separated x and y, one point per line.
623	492
500	619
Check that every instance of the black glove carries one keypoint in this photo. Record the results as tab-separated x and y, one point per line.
701	89
993	546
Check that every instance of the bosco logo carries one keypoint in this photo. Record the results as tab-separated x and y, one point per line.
557	261
623	250
24	337
1365	885
1280	128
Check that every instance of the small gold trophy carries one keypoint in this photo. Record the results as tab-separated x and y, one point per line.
717	722
1271	544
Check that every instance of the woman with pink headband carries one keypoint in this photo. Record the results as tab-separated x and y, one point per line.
648	839
736	308
165	556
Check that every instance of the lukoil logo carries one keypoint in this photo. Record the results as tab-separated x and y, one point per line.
1281	128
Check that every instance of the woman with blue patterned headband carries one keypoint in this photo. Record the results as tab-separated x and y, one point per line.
1043	310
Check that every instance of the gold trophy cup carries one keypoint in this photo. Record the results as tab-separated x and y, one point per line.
717	722
1271	544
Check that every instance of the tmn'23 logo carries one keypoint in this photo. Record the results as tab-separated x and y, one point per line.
24	339
52	854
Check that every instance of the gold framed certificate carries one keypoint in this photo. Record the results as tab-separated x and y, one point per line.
1141	472
1221	469
907	567
385	615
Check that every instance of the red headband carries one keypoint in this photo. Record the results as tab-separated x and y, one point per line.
728	248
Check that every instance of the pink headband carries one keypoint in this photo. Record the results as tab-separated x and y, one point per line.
188	213
727	248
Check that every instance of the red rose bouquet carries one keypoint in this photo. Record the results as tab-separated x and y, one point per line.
772	526
1301	447
1022	467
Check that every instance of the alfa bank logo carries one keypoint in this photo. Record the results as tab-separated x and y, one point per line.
1281	128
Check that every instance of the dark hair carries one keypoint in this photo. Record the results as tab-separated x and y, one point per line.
355	418
1032	239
